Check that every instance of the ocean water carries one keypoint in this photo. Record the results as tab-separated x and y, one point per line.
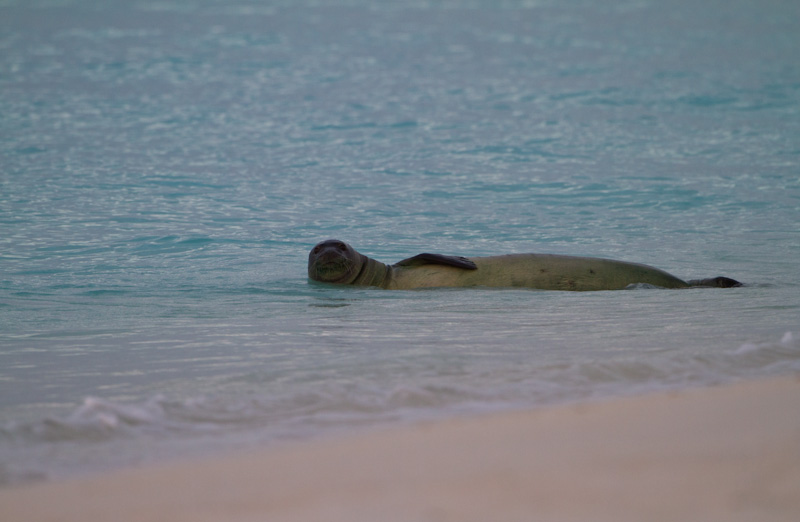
167	165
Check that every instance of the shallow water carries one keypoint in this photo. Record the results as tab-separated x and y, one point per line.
166	166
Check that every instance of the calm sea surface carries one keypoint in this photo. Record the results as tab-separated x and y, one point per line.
165	166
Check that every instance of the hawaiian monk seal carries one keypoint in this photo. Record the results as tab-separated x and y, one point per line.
334	261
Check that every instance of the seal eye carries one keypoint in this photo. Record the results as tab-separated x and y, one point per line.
341	246
316	249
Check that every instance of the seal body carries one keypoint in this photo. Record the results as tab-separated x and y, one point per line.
543	271
334	261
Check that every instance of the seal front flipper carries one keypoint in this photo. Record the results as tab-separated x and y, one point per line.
438	259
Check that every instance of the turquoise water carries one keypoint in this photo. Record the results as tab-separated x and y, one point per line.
166	167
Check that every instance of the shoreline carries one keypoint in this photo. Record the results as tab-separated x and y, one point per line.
722	453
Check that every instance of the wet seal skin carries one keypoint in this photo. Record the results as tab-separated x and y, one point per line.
334	261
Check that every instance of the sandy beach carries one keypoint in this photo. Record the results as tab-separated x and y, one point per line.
725	453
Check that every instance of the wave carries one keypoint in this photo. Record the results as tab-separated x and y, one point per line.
301	409
101	433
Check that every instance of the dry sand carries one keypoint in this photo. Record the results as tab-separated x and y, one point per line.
719	454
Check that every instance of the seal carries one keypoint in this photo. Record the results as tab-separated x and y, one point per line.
334	261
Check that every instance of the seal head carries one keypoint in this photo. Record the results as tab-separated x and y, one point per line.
334	261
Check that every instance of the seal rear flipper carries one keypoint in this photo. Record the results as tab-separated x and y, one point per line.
438	259
716	282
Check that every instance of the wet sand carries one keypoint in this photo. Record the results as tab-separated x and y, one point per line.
725	453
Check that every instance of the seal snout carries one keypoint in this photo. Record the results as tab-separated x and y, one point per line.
329	252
